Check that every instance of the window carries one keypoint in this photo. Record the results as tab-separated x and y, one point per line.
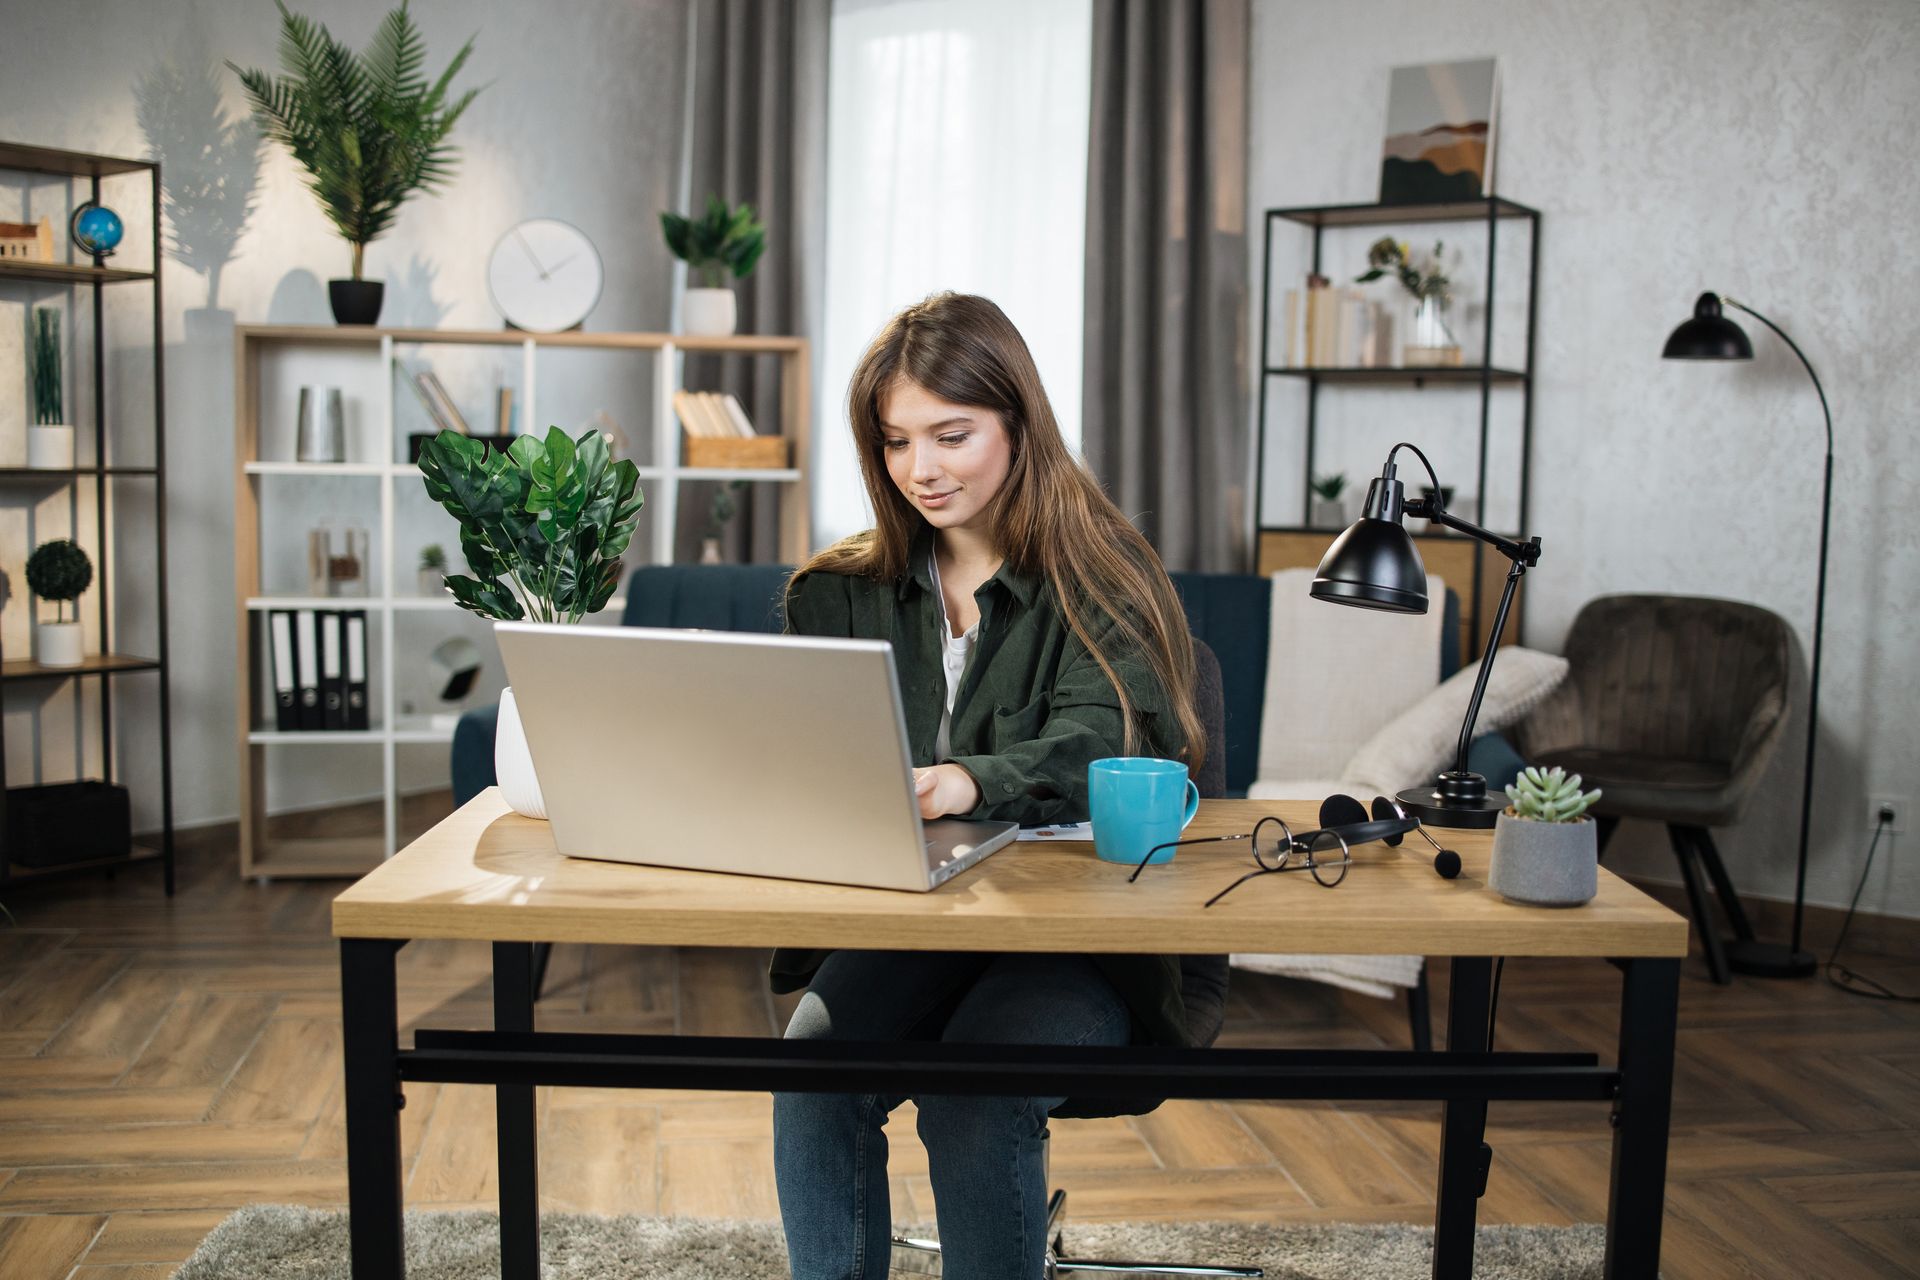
956	159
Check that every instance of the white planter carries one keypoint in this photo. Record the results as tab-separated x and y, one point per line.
433	582
58	644
708	313
1328	513
50	447
513	763
1545	864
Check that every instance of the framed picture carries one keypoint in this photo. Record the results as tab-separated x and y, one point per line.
1440	133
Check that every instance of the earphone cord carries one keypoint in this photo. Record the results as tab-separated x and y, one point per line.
1841	976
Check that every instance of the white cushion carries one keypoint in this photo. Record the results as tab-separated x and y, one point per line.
1382	976
1420	742
1335	675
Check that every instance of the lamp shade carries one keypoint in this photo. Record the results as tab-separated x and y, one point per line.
1709	335
1373	565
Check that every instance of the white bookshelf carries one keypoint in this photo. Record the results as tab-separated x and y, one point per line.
366	355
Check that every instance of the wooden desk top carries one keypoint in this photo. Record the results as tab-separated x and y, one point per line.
487	873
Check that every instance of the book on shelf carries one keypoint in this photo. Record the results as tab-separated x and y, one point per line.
503	413
449	413
1335	328
418	381
737	414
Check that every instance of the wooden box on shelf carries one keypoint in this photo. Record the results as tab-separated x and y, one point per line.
768	452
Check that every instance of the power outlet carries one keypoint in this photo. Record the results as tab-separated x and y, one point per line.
1900	805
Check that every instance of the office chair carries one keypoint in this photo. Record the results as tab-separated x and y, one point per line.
1203	985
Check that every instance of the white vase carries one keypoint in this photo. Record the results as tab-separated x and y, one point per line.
433	582
1328	513
58	644
708	313
1431	342
513	763
50	447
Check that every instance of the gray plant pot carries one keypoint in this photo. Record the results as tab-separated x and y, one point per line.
1545	864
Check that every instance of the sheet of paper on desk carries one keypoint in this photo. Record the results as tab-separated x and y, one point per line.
1059	831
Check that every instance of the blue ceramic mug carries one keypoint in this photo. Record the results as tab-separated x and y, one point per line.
1137	803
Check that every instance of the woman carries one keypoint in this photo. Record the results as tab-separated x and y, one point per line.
1033	631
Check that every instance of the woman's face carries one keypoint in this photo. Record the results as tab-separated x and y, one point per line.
949	460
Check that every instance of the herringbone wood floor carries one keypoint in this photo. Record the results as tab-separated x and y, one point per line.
163	1062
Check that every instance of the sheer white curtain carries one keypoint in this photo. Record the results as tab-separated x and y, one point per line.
956	159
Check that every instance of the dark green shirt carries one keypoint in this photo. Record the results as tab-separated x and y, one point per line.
1033	710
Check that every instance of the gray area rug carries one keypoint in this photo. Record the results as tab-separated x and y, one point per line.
280	1242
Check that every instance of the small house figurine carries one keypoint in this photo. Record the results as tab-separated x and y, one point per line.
26	242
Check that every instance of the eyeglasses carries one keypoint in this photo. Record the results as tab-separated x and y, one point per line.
1344	823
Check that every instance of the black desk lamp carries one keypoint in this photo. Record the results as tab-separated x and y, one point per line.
1374	565
1711	336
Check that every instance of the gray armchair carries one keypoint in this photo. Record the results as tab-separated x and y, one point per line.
1673	706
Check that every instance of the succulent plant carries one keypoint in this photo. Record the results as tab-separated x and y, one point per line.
433	556
1549	796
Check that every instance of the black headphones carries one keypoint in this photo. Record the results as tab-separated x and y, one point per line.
1389	822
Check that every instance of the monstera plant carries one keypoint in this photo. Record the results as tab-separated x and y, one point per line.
543	525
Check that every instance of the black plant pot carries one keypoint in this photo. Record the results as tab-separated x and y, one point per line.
356	301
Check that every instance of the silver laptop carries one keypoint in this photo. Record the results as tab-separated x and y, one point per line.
764	755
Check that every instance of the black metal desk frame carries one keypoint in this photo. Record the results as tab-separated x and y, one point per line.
1465	1078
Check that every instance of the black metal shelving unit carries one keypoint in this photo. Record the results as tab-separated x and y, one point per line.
72	166
1485	375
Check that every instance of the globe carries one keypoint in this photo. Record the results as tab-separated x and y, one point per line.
97	229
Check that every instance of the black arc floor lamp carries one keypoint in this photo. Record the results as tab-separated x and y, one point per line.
1374	565
1709	335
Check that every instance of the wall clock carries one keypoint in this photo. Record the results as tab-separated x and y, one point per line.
545	275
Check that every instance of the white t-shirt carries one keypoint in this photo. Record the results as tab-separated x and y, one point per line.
953	651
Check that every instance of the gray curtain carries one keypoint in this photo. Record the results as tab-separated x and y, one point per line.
758	135
1166	377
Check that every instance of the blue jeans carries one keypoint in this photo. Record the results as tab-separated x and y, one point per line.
984	1154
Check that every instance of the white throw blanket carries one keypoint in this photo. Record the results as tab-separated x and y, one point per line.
1335	677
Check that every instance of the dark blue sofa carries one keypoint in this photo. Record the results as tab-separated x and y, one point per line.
1230	611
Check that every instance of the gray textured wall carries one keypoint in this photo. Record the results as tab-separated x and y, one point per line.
1761	149
579	119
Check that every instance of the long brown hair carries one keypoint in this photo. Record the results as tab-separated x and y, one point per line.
1050	519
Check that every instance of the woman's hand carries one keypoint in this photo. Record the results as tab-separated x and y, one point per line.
945	789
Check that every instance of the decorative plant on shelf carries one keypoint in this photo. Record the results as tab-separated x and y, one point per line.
46	367
433	568
543	525
725	507
59	571
721	240
49	438
1549	796
1328	488
369	128
1328	512
1423	280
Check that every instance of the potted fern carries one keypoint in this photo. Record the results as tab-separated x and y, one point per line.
49	439
543	527
59	571
369	128
1545	849
719	241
